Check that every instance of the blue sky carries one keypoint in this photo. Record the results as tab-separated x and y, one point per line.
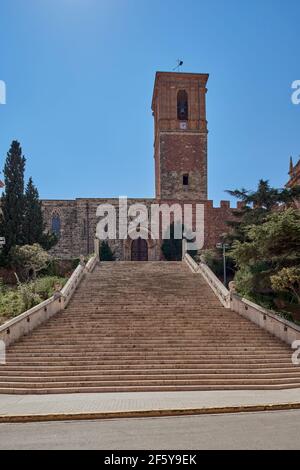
80	73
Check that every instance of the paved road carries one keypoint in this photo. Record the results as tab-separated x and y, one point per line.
271	430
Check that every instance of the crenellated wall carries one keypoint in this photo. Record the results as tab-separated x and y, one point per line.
79	221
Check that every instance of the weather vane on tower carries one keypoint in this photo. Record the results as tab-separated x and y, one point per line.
179	65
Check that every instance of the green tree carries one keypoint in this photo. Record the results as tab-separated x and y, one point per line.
106	253
12	200
257	205
21	219
48	240
33	223
287	280
269	247
214	260
29	259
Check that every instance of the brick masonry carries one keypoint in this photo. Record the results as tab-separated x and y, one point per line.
180	146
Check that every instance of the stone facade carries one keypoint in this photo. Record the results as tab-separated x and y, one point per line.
79	221
180	152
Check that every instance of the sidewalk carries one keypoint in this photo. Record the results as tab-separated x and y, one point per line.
25	408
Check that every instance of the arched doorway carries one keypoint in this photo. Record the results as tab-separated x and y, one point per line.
139	250
151	247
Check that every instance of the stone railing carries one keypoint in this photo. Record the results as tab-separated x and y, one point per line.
69	288
23	324
90	265
216	285
266	319
76	278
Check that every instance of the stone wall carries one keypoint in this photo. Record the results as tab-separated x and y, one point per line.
79	221
68	245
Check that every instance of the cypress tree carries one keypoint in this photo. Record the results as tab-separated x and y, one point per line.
21	218
12	200
33	225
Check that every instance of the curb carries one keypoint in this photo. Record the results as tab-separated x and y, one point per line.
33	418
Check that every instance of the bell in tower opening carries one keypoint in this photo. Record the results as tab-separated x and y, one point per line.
182	106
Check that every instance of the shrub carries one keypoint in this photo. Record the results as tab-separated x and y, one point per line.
106	253
28	295
29	259
272	251
214	261
2	286
14	301
287	280
60	267
45	286
11	303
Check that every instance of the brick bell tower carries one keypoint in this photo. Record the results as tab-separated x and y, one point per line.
180	145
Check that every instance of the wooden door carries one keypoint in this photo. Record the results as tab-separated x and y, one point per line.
139	250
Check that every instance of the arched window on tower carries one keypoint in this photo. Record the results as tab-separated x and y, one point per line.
56	224
182	105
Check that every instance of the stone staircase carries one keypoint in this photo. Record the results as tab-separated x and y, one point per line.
152	326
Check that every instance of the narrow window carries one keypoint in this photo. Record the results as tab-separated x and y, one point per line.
182	106
185	180
56	225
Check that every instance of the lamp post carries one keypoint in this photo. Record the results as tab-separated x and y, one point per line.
223	247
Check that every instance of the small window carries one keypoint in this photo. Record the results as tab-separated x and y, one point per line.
182	106
56	225
185	180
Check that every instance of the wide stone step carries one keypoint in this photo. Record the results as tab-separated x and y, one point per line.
104	334
146	381
69	366
130	328
174	355
141	388
161	376
137	342
147	388
126	328
143	315
120	344
135	350
157	370
198	382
